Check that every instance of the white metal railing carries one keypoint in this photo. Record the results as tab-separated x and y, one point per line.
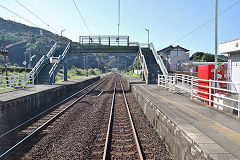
184	80
144	65
36	69
167	82
16	81
39	63
203	90
56	65
143	45
159	60
104	40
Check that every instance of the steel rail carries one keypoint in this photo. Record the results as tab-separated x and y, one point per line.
5	154
140	156
109	123
40	114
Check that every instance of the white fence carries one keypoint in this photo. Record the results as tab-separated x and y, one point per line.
204	91
16	81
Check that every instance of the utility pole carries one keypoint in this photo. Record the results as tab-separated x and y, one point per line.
4	52
118	19
148	37
216	42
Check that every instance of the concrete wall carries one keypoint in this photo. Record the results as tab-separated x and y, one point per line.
18	110
178	143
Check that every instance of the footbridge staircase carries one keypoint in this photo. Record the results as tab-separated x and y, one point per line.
42	67
44	72
151	62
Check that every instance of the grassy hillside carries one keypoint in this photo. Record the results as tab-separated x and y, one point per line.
39	44
35	43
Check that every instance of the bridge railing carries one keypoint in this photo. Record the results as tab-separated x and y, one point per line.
44	60
56	66
159	60
104	40
205	91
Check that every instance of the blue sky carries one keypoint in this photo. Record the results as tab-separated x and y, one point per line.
167	20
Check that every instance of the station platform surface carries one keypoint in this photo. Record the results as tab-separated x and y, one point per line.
217	133
32	89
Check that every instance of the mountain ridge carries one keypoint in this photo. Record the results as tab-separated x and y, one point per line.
38	41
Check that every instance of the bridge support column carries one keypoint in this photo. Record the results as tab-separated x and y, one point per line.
65	72
143	78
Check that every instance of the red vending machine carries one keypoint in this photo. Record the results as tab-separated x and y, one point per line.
207	72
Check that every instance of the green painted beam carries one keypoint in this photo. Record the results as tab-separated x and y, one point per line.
92	48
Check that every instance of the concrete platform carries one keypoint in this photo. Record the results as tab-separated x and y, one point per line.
20	105
190	130
33	89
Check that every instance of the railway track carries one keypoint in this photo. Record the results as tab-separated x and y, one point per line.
15	137
121	141
86	130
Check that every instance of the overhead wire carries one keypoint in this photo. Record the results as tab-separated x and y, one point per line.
207	22
81	17
36	16
18	15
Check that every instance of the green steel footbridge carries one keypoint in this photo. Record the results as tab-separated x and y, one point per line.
48	66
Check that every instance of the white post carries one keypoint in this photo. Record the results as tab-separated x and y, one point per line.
176	77
239	102
209	92
174	83
160	81
10	81
166	82
182	80
192	89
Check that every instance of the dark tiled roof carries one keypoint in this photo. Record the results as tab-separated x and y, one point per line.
169	48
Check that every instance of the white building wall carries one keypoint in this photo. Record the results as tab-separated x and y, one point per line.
235	69
230	47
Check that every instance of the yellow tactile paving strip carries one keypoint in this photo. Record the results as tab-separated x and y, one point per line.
235	136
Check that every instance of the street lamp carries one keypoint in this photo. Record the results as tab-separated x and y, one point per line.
62	30
148	36
31	58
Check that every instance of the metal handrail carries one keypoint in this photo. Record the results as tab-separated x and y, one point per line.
60	59
144	65
164	82
104	40
44	59
35	68
159	60
16	81
49	54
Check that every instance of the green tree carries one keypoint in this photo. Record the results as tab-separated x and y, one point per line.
206	57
